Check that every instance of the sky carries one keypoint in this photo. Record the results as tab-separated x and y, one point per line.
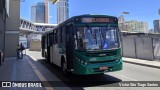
140	10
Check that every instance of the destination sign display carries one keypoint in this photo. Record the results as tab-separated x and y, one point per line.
96	20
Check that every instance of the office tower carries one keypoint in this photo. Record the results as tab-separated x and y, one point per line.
40	12
33	13
62	11
156	24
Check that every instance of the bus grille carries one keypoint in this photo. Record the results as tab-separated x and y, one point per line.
93	62
102	54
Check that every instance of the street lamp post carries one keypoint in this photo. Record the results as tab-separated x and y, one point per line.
125	12
122	27
122	20
53	1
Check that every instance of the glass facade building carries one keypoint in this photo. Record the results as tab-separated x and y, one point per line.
62	11
40	12
33	13
156	24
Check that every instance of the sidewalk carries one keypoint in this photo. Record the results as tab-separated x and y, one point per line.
31	70
154	64
17	70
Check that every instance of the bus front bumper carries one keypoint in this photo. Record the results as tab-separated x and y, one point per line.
95	68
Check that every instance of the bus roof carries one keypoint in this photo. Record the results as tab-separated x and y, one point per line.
74	17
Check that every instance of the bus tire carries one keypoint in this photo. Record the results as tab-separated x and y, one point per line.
64	67
100	74
46	57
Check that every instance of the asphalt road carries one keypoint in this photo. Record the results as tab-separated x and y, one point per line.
130	72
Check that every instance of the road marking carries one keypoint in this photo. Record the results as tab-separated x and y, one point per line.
123	76
14	69
39	74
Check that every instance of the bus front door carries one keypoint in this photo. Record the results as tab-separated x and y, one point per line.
69	47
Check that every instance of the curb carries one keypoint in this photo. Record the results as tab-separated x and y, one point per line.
142	64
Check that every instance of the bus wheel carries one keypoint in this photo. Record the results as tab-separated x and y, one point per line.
64	68
101	74
46	57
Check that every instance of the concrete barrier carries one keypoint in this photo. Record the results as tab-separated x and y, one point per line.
140	47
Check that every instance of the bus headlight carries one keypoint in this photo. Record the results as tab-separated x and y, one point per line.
82	61
117	60
85	63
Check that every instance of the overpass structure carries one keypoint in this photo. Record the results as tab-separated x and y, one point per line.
32	31
29	27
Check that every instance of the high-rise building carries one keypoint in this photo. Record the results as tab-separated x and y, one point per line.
121	19
33	13
135	26
40	12
121	23
156	24
143	26
62	11
151	30
159	11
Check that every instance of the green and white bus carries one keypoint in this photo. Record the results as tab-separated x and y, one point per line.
86	44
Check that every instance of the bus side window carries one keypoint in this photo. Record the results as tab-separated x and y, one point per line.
43	42
64	36
80	37
59	35
56	36
50	39
53	34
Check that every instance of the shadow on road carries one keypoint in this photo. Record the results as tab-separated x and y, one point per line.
79	80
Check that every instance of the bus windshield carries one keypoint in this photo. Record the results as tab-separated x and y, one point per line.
96	38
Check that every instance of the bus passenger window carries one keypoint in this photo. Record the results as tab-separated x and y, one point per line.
80	37
63	36
56	37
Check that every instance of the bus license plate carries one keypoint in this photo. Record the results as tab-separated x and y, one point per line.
103	68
